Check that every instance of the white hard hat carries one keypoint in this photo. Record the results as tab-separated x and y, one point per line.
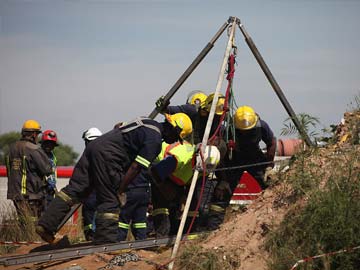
211	157
91	134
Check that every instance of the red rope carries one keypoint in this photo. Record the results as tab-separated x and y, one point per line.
229	77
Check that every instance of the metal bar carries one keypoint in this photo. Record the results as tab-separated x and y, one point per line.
190	69
205	139
275	85
80	251
68	216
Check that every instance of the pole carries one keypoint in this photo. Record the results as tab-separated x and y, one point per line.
275	85
204	141
191	68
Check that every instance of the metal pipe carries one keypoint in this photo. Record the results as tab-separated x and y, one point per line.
191	68
204	141
275	85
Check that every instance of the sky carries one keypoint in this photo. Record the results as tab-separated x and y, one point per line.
72	65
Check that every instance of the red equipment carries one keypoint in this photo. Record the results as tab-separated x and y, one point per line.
246	191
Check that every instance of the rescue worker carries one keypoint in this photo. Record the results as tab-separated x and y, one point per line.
27	166
48	143
171	176
89	205
108	165
250	130
197	108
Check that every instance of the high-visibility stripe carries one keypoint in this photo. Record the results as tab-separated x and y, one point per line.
193	213
139	225
124	226
111	216
216	208
160	211
88	227
142	161
23	177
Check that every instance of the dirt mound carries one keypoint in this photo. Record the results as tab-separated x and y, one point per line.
241	238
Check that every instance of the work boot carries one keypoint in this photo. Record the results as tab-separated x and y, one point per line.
44	234
89	235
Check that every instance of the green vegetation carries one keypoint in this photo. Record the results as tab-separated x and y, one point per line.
65	154
195	257
329	221
16	229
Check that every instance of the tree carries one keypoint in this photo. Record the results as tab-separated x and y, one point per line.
65	154
308	122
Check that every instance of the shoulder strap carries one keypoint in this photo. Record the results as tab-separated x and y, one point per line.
138	122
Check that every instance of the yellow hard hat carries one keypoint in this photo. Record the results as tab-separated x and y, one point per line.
181	121
219	106
31	125
197	98
245	118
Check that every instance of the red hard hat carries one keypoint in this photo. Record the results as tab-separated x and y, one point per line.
49	135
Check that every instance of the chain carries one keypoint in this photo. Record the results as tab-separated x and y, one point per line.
121	260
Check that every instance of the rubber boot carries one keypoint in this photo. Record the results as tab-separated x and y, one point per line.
52	218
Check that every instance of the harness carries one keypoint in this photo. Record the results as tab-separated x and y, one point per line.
138	122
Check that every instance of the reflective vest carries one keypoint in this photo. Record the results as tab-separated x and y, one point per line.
185	161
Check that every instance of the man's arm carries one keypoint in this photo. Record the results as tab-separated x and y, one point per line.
41	162
130	175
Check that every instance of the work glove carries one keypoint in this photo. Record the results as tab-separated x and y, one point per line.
269	172
122	199
222	190
161	104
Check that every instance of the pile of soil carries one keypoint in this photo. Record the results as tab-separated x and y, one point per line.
240	236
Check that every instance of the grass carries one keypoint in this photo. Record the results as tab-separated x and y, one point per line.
195	257
15	229
329	221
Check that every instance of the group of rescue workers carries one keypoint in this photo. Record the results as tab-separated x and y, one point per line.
139	164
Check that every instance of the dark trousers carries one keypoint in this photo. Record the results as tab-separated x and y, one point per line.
133	213
88	212
167	200
100	170
217	207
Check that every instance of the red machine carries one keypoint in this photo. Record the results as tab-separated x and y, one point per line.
246	191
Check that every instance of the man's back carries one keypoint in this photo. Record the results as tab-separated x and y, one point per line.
26	166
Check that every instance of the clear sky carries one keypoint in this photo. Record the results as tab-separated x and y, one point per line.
72	65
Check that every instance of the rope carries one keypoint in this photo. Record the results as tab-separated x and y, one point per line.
229	77
323	255
247	165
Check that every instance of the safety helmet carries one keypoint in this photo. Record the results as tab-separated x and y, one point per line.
211	157
245	118
49	135
197	98
31	125
91	134
180	121
219	106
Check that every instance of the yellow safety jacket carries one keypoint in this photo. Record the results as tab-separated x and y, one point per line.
185	160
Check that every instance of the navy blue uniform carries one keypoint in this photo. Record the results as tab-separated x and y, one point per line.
133	213
101	167
247	152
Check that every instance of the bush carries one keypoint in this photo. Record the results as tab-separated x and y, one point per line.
329	221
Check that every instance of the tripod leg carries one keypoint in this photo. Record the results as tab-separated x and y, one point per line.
275	85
